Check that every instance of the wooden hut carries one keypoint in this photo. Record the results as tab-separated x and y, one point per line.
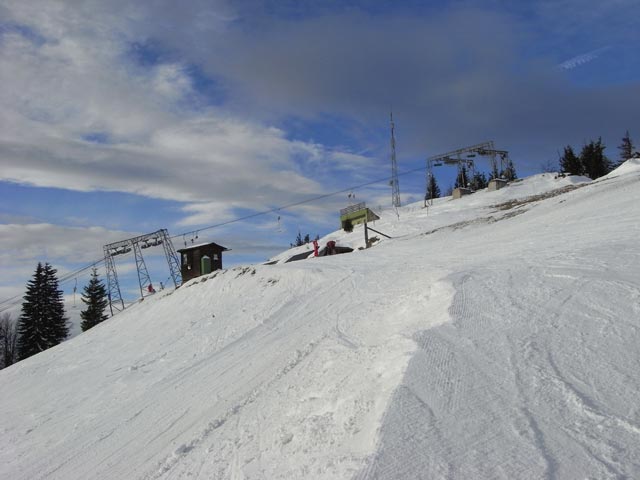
200	259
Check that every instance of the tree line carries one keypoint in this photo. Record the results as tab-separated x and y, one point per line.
592	162
300	240
43	323
477	181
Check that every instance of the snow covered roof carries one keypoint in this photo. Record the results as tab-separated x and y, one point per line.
200	245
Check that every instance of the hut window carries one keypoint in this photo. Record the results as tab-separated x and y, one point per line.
215	256
185	261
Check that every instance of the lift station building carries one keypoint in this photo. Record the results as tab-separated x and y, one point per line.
200	259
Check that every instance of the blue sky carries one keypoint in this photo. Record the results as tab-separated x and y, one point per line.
119	118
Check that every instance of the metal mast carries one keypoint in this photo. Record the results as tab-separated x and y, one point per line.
395	186
172	258
144	280
113	287
137	244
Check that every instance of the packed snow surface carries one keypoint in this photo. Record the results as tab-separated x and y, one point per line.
495	336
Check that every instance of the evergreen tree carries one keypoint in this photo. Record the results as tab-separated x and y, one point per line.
494	171
626	149
594	162
570	163
509	173
42	323
94	297
433	190
300	240
462	180
479	181
8	340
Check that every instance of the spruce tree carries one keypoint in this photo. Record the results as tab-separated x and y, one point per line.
479	181
8	340
433	190
626	149
509	173
42	323
94	296
462	180
570	163
594	163
494	171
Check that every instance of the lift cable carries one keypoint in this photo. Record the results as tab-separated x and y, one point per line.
67	277
71	275
291	205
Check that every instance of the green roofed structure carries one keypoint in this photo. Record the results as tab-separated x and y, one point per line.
354	215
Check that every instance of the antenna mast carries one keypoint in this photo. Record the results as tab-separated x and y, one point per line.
395	186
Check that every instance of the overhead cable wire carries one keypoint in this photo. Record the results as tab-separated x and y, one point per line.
291	205
69	276
10	302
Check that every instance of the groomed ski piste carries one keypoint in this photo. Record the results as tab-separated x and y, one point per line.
495	336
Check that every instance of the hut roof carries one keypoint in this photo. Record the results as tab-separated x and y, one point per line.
200	245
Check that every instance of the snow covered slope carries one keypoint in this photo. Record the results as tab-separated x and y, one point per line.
495	336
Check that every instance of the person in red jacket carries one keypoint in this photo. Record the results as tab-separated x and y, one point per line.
330	249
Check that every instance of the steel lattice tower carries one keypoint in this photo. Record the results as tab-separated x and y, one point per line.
113	287
137	244
144	280
395	186
172	259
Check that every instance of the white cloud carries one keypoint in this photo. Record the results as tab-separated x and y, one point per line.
171	81
67	249
47	242
206	213
582	59
78	83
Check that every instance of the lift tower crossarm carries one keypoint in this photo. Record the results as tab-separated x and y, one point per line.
484	151
151	239
473	148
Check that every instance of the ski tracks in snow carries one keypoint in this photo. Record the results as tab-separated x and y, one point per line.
351	312
535	378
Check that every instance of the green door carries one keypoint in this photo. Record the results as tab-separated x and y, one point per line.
205	265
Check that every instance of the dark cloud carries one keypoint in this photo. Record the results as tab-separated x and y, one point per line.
454	78
455	72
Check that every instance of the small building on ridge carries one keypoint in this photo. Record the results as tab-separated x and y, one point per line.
497	184
461	192
200	259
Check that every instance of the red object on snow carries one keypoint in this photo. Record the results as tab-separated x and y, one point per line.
315	248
